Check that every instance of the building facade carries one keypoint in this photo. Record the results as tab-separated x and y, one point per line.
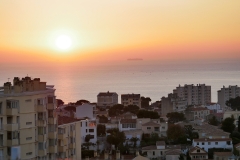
28	121
107	99
131	99
172	103
88	128
194	95
193	113
69	138
226	93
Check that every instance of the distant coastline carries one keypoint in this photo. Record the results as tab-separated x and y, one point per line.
135	59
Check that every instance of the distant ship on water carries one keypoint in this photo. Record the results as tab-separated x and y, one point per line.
135	59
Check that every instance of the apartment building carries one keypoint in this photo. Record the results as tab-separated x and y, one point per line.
88	127
131	99
69	138
206	143
194	95
226	93
107	99
28	123
193	113
172	103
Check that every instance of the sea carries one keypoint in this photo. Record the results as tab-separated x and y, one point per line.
154	79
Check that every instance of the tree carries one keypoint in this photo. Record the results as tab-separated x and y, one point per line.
134	140
103	119
145	102
59	102
115	110
228	125
147	114
116	137
101	130
82	101
87	138
174	117
131	108
174	132
213	121
239	124
234	103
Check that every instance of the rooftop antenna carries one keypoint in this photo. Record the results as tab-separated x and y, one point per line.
8	79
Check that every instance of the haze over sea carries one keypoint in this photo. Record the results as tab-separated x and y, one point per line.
152	79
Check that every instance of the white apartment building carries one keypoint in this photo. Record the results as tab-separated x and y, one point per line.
85	110
226	93
194	95
88	127
206	143
107	99
215	107
131	99
28	123
172	103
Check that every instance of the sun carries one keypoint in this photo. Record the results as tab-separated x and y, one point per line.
63	42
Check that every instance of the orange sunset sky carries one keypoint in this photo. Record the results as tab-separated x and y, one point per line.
119	29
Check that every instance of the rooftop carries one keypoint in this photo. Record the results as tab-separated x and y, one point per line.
151	124
223	153
107	93
128	121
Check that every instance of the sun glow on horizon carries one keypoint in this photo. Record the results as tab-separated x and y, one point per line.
63	42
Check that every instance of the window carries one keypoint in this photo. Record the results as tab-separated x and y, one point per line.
41	146
28	123
86	124
50	99
28	138
197	143
28	100
51	128
86	130
148	127
202	143
81	124
40	101
216	143
12	104
91	130
154	153
9	120
228	142
0	107
50	113
198	150
51	142
209	143
41	130
29	153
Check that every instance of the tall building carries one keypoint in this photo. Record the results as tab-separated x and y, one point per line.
107	99
131	99
28	124
69	138
194	95
172	103
226	93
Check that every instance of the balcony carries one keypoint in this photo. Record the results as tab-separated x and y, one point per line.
52	149
72	133
12	127
61	136
12	142
52	135
50	106
42	152
11	111
71	145
52	120
41	123
62	148
41	108
42	138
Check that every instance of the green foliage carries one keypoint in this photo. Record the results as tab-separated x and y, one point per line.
87	138
228	125
87	153
213	121
123	148
101	130
234	103
103	119
116	137
82	101
174	117
181	157
150	139
134	140
239	124
147	114
175	132
115	110
87	145
131	108
145	102
212	150
59	102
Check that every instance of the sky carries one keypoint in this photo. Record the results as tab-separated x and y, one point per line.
111	30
